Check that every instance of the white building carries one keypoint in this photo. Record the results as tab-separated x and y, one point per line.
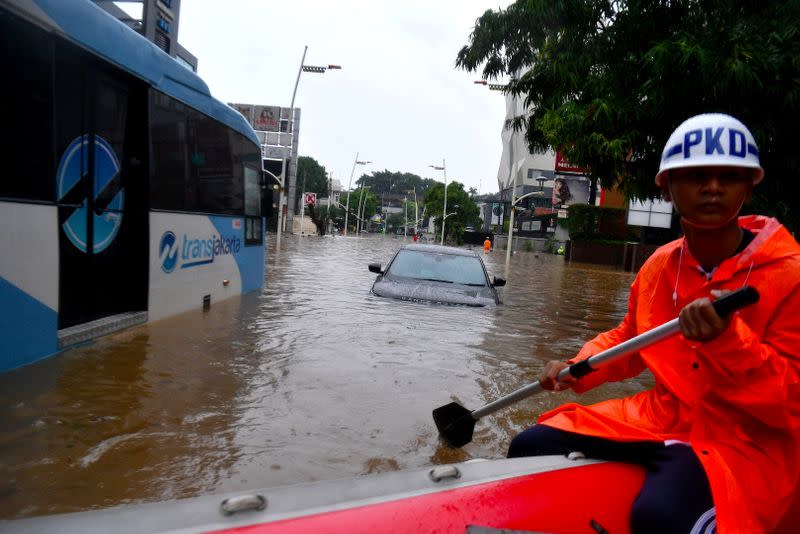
516	162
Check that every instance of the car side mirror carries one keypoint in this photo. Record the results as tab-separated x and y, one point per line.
376	268
498	281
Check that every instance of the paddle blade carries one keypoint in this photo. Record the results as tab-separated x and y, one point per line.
455	424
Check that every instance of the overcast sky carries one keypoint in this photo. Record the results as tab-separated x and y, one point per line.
398	100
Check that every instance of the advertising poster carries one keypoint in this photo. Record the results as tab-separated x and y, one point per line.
569	190
266	118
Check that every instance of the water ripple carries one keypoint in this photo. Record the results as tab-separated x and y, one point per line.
312	378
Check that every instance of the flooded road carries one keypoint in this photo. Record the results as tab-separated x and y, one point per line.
312	379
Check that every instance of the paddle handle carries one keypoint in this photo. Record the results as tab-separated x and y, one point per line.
723	306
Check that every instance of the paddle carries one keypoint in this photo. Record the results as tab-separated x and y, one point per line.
456	423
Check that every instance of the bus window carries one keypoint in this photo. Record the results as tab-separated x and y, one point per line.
28	111
252	205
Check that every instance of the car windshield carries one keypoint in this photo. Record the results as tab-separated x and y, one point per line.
439	267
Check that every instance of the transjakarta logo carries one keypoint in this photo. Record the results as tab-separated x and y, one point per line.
74	185
190	252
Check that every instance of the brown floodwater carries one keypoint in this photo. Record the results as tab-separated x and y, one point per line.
312	379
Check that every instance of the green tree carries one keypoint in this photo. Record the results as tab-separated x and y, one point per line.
369	203
413	210
390	182
466	212
606	81
313	176
336	215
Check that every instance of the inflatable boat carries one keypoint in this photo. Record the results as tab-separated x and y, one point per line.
541	494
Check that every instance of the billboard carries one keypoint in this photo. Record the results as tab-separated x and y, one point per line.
569	190
652	213
562	165
267	118
261	118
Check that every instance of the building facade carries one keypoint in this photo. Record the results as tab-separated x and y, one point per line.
158	21
279	138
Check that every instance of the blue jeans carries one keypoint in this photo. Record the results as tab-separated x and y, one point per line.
675	496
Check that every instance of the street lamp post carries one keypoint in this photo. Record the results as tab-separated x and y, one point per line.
349	185
444	210
405	228
449	214
416	212
359	215
511	218
303	68
303	206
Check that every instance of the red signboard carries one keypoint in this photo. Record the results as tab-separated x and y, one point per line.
562	165
311	199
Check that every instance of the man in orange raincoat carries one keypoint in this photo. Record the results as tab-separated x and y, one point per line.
719	433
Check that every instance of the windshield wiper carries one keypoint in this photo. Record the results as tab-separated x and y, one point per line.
436	280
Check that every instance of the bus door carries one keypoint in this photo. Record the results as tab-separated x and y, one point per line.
101	187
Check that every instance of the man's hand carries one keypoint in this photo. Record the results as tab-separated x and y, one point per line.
548	380
700	322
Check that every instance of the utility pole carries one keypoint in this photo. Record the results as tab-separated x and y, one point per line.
303	203
363	211
349	185
416	212
328	210
362	207
405	228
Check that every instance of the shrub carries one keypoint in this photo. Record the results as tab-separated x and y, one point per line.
593	223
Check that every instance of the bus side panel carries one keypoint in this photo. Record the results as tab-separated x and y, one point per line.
28	283
191	258
249	259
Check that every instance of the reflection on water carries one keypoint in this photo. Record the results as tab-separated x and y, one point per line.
313	379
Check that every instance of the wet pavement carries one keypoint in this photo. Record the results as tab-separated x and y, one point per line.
312	379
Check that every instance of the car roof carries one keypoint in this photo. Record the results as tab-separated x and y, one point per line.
439	249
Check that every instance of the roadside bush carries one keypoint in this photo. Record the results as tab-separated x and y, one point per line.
551	245
595	223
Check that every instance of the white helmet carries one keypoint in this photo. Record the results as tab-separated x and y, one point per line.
710	139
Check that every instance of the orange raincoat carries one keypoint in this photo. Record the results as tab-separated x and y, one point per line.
735	399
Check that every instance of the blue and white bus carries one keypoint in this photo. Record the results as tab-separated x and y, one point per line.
127	193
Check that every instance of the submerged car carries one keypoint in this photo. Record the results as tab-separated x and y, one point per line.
433	273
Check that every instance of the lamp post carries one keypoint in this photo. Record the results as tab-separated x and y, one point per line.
359	215
405	228
511	218
303	206
303	68
349	185
448	215
416	212
328	207
444	210
451	213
